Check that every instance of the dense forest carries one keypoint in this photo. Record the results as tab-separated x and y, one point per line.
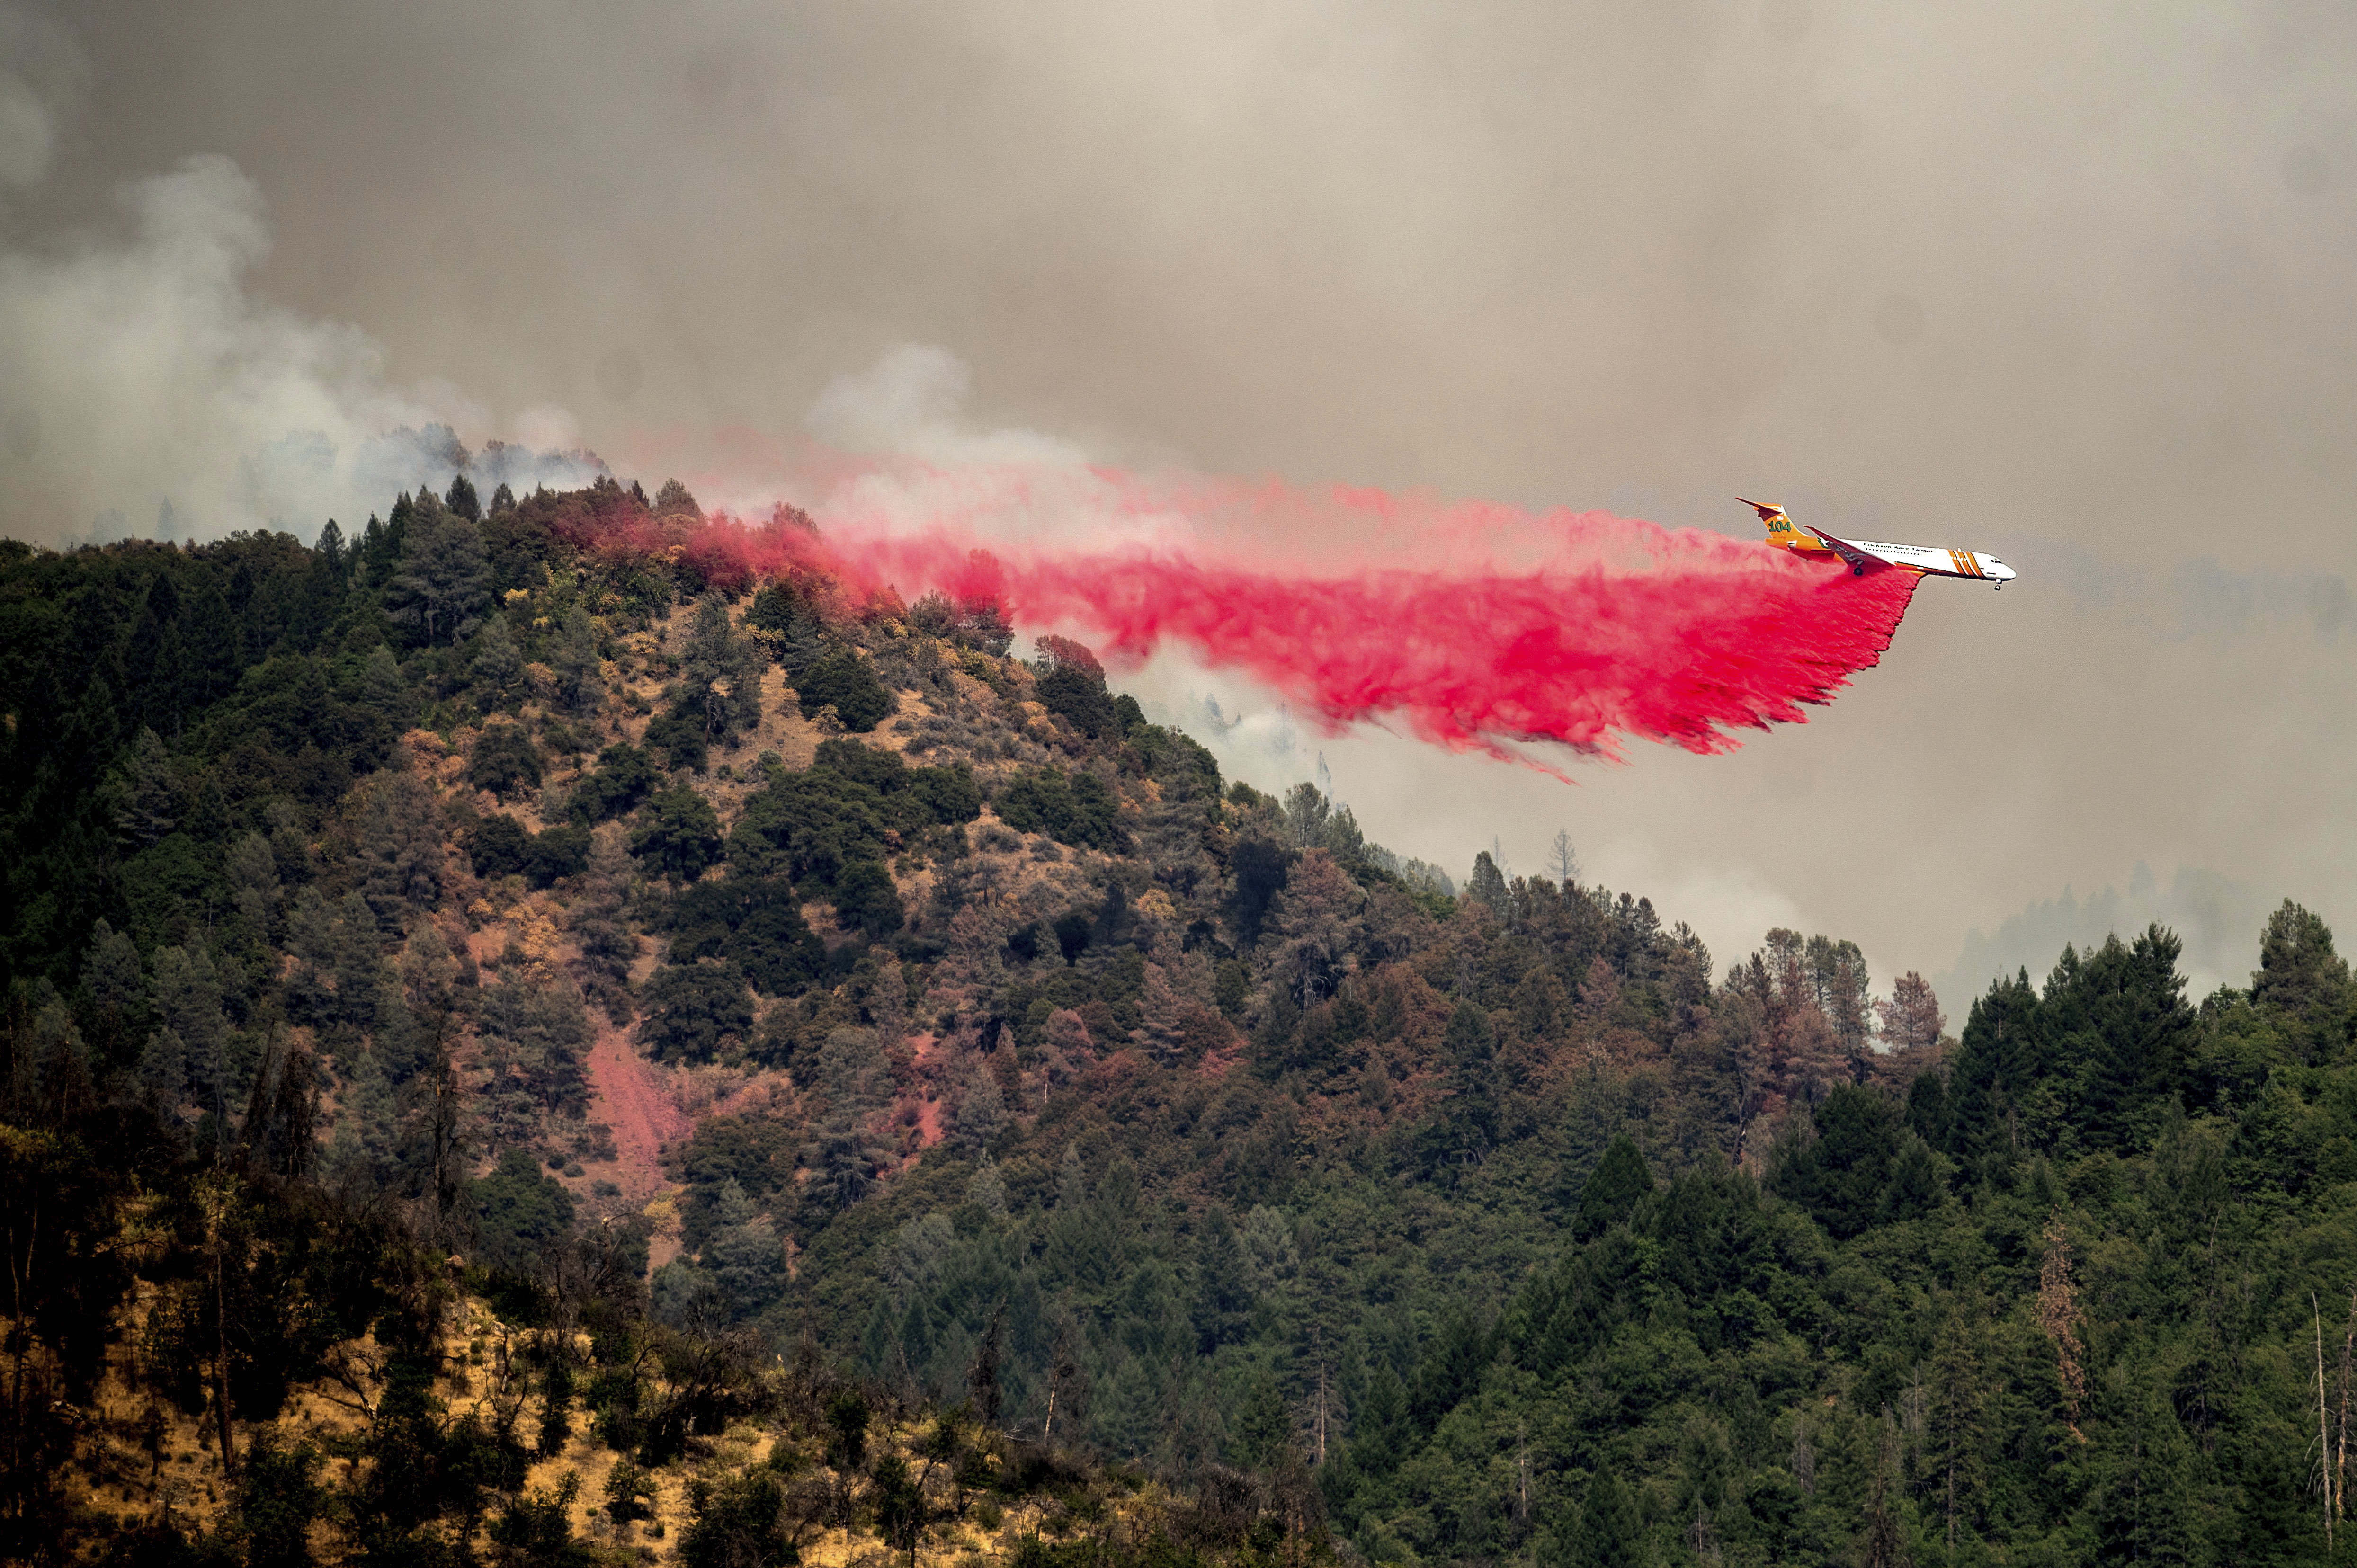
527	1041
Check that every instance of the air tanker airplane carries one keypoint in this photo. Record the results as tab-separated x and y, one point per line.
1816	544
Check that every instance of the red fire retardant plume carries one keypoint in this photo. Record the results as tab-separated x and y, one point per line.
1604	627
1677	655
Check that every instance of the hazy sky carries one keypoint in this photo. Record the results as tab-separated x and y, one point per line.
2068	284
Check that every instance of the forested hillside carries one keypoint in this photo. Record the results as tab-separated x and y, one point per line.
510	994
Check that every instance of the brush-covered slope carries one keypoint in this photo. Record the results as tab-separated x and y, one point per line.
780	1000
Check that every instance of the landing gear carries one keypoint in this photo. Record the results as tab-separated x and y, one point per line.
1858	570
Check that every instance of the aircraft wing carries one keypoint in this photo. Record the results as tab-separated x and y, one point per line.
1863	553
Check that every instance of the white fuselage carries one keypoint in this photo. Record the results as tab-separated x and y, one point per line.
1925	558
1945	563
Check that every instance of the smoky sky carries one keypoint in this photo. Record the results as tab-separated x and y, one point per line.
2069	285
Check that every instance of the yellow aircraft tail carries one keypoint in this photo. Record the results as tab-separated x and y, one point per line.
1780	527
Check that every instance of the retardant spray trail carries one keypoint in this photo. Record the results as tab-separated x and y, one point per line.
1682	656
1360	606
1615	627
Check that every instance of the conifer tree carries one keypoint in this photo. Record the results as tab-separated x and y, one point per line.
1883	1542
574	660
497	660
1607	1533
745	1255
981	1111
1469	1124
117	981
444	578
608	946
1262	1430
383	691
987	1190
1487	885
362	1145
555	1385
397	846
720	674
1222	1309
358	956
187	997
164	1066
149	803
2303	982
1911	1019
1958	1415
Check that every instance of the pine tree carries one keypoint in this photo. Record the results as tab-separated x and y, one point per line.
164	1066
1261	1433
981	1111
1957	1417
254	871
1613	1189
1608	1532
555	1389
801	643
720	674
358	957
608	946
1469	1122
1563	860
2146	1508
1223	1298
1838	974
397	846
362	1147
154	657
383	692
149	802
2302	982
1165	1028
575	659
497	661
1883	1542
117	981
987	1190
309	990
2059	1318
542	1031
846	1155
187	997
1316	918
428	971
744	1254
1487	885
443	580
212	668
1911	1019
